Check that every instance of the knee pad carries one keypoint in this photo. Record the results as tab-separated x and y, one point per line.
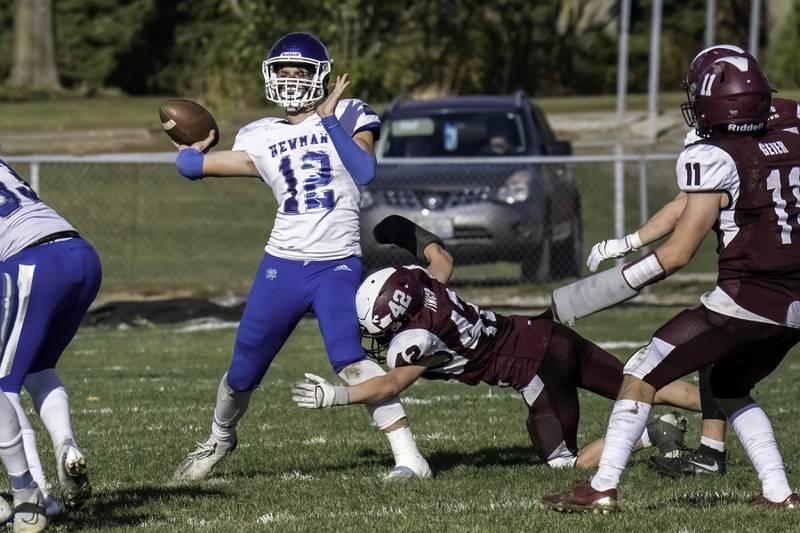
385	414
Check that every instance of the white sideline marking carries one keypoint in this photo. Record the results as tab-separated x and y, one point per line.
207	324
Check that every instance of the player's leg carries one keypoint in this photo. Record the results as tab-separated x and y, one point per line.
28	499
276	303
30	296
600	372
335	285
553	408
710	457
79	268
732	381
686	343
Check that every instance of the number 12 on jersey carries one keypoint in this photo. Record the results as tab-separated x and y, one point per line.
318	166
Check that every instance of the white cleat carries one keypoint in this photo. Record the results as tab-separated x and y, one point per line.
406	473
72	475
29	514
198	464
6	512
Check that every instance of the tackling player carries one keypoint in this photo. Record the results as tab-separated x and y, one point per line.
50	276
743	181
710	456
430	331
315	161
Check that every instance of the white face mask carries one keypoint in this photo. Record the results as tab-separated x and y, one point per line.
295	94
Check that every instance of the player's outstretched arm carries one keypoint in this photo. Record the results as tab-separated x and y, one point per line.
694	223
660	224
317	393
613	286
194	164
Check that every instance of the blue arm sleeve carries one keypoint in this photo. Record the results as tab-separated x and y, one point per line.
360	164
190	163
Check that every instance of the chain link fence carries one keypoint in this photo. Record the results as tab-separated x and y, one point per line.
506	220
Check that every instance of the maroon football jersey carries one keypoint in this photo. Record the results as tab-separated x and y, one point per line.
758	233
475	344
784	114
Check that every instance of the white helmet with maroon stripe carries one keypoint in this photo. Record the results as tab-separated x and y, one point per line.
386	300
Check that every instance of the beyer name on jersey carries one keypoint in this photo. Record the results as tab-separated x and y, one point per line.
773	148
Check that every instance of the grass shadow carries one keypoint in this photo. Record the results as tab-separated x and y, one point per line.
484	458
124	507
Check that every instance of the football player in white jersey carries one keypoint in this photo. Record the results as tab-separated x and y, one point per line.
315	161
49	276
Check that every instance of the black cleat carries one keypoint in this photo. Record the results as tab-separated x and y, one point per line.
703	460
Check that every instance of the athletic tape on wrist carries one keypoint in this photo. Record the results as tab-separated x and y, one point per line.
643	272
634	241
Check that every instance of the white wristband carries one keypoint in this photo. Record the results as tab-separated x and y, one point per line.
341	395
643	272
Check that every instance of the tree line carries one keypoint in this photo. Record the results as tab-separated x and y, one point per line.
214	48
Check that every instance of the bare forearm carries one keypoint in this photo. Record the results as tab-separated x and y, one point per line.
229	164
663	222
375	390
440	262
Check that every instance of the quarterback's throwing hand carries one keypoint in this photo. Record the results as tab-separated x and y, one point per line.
612	249
200	146
316	393
328	106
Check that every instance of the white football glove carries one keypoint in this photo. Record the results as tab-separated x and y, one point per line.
613	249
316	393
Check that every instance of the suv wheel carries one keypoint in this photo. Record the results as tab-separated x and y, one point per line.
535	266
566	255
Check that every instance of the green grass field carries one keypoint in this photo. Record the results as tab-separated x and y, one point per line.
141	398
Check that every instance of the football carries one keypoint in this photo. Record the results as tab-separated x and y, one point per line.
187	122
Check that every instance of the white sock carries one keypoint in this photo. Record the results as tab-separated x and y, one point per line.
52	403
231	406
627	423
12	452
645	441
404	447
28	440
713	443
758	440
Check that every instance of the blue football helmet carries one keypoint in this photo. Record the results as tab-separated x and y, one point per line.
297	94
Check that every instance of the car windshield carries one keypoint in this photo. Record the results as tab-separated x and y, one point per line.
468	134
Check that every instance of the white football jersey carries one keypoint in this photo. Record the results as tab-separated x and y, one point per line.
24	218
318	201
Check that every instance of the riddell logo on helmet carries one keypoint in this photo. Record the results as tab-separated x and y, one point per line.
745	127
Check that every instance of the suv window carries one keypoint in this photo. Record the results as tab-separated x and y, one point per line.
544	126
465	134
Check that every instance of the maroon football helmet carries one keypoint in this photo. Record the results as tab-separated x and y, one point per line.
385	301
699	64
731	95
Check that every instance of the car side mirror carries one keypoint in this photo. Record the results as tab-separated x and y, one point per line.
558	148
